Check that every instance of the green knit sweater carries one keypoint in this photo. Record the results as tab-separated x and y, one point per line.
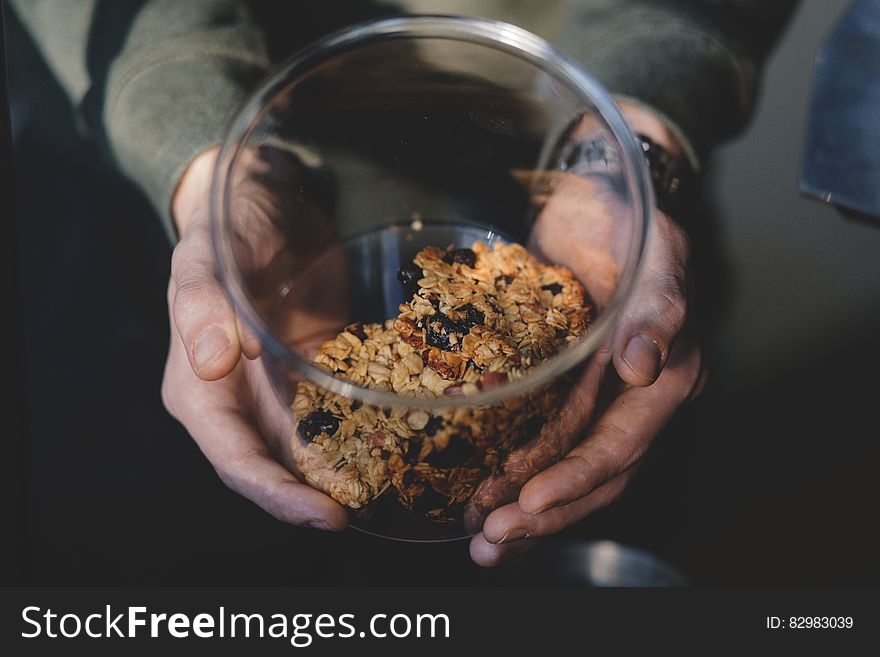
159	79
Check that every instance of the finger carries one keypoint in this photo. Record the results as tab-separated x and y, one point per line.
510	525
244	464
251	346
488	555
201	313
557	437
656	312
618	439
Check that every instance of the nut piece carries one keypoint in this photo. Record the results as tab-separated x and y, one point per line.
417	420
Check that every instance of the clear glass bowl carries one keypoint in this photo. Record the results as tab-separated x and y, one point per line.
354	155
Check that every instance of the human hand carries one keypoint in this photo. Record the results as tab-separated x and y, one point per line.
648	367
214	381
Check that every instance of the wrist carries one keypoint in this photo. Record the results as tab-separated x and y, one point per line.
585	149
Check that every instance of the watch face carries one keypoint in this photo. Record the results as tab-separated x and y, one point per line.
670	176
589	156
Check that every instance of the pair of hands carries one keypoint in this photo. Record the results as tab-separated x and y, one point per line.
582	462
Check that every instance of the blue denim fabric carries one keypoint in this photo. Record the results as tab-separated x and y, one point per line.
841	163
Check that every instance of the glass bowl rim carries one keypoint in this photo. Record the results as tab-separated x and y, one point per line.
494	34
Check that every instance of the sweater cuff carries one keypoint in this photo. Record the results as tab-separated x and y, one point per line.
165	113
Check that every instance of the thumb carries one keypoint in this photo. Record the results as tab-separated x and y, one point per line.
656	312
199	308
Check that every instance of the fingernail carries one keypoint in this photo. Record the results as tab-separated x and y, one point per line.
209	345
642	354
322	525
515	534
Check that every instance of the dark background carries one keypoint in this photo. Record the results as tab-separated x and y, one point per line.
767	479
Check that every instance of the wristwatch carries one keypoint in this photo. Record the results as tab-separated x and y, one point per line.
672	177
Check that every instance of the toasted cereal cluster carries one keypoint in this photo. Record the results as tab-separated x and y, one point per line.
475	319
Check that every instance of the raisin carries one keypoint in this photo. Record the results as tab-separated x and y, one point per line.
468	317
434	425
463	256
506	279
554	288
357	329
316	423
457	452
437	331
409	276
411	455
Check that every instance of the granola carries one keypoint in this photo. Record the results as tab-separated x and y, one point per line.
474	319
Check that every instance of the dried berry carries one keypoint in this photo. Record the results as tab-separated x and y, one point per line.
411	455
463	256
409	276
438	328
357	329
316	423
434	425
468	316
554	288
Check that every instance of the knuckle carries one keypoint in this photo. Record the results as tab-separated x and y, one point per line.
673	301
272	500
191	296
616	448
682	243
194	246
584	467
598	463
676	238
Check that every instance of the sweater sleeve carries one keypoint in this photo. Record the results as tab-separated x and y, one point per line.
158	80
695	62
